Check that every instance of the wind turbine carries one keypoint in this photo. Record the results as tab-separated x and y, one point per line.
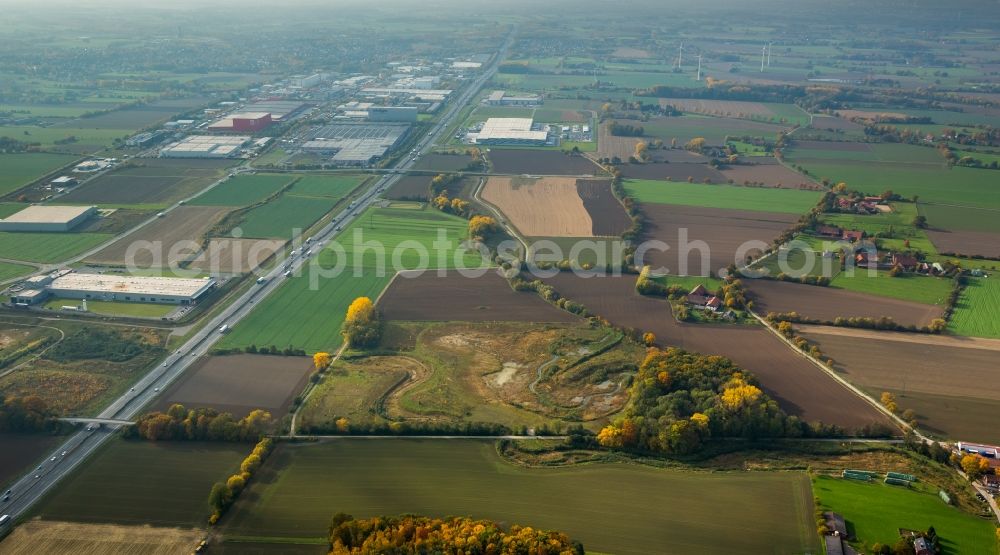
763	55
680	55
769	53
699	68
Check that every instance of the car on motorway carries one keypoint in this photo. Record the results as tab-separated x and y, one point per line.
4	520
64	453
287	273
53	459
261	280
156	389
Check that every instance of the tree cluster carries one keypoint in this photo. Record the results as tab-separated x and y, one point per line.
678	400
363	325
98	343
26	414
411	534
182	424
481	227
626	129
222	495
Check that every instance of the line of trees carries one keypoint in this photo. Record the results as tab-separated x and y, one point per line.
182	424
626	129
223	495
420	534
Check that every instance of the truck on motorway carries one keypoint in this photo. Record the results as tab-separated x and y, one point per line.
224	328
4	520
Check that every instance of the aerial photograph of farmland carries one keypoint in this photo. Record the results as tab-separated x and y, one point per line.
549	278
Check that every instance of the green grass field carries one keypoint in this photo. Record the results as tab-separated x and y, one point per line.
961	218
10	271
109	308
18	170
47	247
612	508
90	139
277	219
303	317
403	233
332	186
976	311
875	511
139	482
920	289
898	223
791	201
243	190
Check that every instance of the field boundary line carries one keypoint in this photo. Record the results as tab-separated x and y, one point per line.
500	217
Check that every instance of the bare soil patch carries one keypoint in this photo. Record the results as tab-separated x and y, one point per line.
724	231
454	297
608	215
774	175
235	256
545	207
154	181
20	451
794	382
43	536
981	243
184	224
681	171
949	400
827	304
410	187
540	162
240	383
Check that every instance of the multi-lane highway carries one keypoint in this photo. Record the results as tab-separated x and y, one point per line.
78	446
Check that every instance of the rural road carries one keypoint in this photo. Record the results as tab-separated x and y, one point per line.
30	488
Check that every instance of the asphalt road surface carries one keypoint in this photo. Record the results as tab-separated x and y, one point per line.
78	446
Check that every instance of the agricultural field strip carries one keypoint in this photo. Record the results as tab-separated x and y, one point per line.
903	337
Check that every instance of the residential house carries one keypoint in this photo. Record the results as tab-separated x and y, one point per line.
828	231
905	261
853	236
699	297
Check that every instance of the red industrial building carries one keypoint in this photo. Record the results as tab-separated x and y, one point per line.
247	122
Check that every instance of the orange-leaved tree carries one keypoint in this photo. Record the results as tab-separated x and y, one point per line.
362	325
321	360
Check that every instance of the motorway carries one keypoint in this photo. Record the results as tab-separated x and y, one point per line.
30	488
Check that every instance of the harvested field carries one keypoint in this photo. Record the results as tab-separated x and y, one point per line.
950	401
43	536
410	187
966	242
162	240
794	382
21	451
697	172
713	129
487	298
234	256
834	123
774	175
548	206
608	215
724	231
156	181
540	162
731	108
240	384
827	304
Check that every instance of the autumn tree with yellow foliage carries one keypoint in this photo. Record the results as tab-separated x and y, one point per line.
362	326
321	360
974	466
481	227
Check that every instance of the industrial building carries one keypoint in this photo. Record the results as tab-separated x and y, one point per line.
393	113
501	98
510	131
64	182
70	284
356	144
280	110
243	122
44	218
406	93
205	146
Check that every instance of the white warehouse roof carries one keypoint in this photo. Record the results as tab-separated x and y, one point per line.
510	128
45	214
136	285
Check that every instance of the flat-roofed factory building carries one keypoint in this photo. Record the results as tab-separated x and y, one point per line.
148	289
47	218
510	131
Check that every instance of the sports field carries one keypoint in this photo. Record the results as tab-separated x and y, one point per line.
791	201
243	190
47	247
875	512
18	170
303	317
921	289
402	233
976	311
614	508
140	482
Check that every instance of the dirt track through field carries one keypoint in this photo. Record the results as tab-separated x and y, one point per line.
827	304
788	377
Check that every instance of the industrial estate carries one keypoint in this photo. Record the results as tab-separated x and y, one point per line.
524	278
